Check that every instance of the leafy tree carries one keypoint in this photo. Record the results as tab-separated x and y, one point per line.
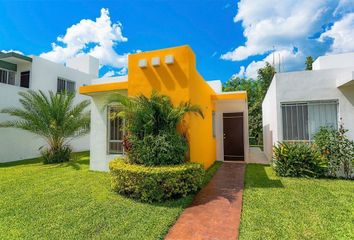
308	63
55	118
265	76
256	90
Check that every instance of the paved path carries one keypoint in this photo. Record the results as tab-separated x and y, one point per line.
216	210
257	156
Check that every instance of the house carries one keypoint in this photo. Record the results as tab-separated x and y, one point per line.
20	73
221	135
298	103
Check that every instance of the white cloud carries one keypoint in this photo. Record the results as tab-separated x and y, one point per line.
284	60
342	35
11	50
123	71
289	24
109	73
96	38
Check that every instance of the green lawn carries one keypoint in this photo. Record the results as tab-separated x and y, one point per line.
67	201
294	208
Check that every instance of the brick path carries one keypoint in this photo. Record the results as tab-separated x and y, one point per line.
216	210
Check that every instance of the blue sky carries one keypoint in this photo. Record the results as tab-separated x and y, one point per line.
228	37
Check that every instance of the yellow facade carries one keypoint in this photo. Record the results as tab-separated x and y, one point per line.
181	82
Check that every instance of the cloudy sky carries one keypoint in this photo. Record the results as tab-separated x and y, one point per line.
228	37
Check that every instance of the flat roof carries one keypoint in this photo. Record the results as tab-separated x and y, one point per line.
10	56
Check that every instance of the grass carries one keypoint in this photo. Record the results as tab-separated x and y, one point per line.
67	201
295	208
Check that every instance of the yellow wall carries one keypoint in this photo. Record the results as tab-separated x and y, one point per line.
182	82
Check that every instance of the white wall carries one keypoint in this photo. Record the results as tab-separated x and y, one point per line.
18	144
343	60
84	63
306	86
99	158
229	106
269	119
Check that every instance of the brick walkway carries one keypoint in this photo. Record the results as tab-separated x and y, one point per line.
216	210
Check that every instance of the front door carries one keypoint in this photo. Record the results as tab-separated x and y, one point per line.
233	137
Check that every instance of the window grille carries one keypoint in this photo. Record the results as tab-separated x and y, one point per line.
302	120
115	130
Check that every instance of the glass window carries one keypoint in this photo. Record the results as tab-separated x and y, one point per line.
301	121
3	76
7	77
115	131
25	79
65	85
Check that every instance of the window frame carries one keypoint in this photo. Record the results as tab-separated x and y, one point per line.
108	138
7	76
307	103
66	84
29	78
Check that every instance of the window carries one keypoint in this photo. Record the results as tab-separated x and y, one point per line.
65	85
7	77
115	130
301	121
25	79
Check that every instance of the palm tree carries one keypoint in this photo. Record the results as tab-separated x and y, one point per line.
145	116
151	124
53	117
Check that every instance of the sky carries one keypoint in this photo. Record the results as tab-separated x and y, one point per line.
229	38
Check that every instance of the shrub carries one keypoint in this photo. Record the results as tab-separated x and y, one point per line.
59	155
163	149
155	184
337	149
151	124
297	160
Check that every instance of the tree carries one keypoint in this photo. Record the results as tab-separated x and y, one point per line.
308	63
151	124
145	116
265	76
256	90
53	117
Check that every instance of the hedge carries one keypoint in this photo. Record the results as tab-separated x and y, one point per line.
155	184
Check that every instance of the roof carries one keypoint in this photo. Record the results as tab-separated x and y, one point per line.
103	87
11	56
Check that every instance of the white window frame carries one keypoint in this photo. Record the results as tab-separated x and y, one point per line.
308	103
7	76
109	141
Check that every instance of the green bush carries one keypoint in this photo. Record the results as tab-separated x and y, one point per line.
155	184
164	149
337	149
297	160
58	155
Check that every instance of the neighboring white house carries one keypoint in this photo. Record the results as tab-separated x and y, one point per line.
20	73
298	103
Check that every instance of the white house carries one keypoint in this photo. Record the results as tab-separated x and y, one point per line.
298	103
20	73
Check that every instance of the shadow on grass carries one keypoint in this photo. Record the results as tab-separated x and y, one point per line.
21	162
77	159
257	177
